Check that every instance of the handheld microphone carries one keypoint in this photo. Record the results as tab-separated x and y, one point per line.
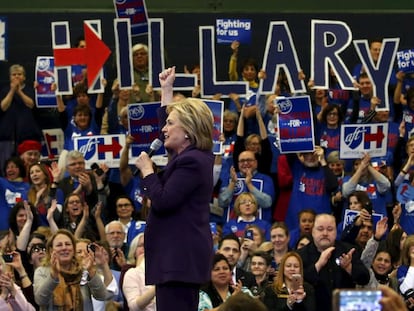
155	145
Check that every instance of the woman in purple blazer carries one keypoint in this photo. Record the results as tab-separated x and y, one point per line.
178	243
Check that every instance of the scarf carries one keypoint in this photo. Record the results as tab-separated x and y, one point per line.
67	295
382	279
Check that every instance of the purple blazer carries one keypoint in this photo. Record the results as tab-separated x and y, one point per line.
178	243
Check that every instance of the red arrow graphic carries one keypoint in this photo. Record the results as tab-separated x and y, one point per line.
115	148
93	56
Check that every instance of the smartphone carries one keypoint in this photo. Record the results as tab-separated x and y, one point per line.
8	257
368	207
296	281
95	167
213	228
91	248
248	234
356	299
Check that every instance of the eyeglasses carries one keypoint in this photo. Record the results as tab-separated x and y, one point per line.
123	205
38	249
74	202
332	114
248	202
246	160
76	163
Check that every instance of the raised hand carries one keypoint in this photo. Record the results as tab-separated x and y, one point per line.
167	77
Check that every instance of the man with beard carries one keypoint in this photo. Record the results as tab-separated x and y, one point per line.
313	185
329	264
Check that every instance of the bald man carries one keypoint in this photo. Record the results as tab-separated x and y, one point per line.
329	264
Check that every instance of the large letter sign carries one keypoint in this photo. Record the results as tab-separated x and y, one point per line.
209	85
380	72
183	81
328	40
280	53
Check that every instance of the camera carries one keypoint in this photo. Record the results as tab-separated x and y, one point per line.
91	248
8	257
409	294
356	299
95	167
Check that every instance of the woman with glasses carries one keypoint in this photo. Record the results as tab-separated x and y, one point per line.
245	208
329	127
260	266
76	219
125	211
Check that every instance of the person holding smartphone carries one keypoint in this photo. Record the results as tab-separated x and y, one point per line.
288	291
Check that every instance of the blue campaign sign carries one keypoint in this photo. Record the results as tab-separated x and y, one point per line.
136	11
405	193
350	215
405	60
143	126
295	124
45	97
229	30
3	38
217	108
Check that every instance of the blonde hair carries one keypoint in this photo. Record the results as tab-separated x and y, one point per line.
241	197
197	121
405	254
17	67
133	248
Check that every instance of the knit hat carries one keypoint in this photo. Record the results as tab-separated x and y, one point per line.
29	145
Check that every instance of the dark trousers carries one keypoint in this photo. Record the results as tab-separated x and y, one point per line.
177	296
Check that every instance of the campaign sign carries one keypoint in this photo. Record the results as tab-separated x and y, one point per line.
356	140
54	141
405	60
295	124
45	77
101	148
216	107
143	126
136	11
350	215
3	38
405	193
229	30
